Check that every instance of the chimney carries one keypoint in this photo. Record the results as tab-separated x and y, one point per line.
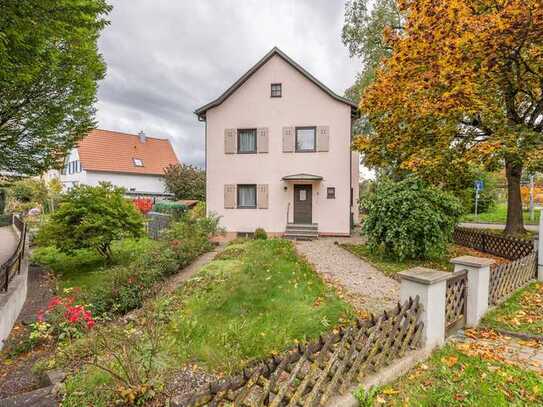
142	137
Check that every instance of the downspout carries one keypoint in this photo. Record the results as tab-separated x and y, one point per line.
351	191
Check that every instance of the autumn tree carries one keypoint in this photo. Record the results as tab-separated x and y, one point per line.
463	85
185	181
49	68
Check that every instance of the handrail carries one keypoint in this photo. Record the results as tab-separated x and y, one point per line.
8	269
288	210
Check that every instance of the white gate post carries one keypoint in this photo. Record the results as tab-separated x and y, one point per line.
478	285
430	285
540	248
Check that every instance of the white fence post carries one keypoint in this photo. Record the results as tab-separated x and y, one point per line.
478	285
430	285
540	248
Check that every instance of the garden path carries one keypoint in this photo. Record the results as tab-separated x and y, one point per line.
367	288
488	344
8	242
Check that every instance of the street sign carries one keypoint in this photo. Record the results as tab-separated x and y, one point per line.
479	185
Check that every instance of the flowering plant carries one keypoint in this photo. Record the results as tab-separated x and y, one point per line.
144	205
62	319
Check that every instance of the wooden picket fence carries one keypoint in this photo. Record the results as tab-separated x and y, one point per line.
456	302
506	247
506	278
310	374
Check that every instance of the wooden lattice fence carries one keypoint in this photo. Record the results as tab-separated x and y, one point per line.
506	247
505	279
311	374
456	301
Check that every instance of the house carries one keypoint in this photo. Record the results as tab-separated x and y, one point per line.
135	162
278	153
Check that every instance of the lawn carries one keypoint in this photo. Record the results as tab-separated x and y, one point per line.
391	267
523	312
85	268
452	378
498	214
254	300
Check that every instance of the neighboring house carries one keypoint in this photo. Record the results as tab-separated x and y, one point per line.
135	162
278	153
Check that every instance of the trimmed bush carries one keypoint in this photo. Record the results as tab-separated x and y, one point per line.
410	219
260	234
171	208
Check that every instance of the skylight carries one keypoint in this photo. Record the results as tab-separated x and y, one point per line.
138	162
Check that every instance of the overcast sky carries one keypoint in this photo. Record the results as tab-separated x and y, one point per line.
165	58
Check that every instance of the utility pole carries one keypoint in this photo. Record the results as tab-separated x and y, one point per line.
532	185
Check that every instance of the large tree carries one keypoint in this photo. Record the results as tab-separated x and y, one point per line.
185	181
464	85
48	72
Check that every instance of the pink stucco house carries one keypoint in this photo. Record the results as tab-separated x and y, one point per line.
278	153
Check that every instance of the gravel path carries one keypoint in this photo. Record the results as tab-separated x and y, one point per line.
366	287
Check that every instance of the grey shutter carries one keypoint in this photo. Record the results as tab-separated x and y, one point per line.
230	141
288	139
262	140
230	196
262	196
323	138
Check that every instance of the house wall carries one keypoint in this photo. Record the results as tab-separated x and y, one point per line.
302	104
141	183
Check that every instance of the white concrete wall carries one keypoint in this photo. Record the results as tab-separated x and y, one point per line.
141	183
302	104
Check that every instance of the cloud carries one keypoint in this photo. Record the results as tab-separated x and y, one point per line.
166	58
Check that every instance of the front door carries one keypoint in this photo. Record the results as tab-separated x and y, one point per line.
302	204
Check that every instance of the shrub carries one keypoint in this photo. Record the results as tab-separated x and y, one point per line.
409	219
92	217
144	205
198	210
27	194
171	208
260	234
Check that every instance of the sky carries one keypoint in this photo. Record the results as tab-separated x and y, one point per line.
165	58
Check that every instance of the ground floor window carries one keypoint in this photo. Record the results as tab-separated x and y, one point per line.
331	193
246	196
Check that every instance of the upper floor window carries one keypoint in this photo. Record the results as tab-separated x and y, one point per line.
276	90
305	139
246	141
138	162
71	167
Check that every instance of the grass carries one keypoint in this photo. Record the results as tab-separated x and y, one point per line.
391	266
256	299
523	312
498	214
451	378
85	268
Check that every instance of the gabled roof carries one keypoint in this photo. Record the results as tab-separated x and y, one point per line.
111	151
201	112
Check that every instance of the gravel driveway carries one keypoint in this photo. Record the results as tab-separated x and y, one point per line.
366	287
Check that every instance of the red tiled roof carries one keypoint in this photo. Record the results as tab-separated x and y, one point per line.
104	150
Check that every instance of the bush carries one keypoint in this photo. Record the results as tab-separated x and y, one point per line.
260	234
171	208
487	197
92	217
198	210
27	194
409	219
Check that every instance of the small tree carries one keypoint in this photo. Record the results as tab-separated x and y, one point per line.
185	181
409	219
92	217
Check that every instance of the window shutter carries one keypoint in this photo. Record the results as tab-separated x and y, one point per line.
230	196
230	141
262	196
323	138
288	139
262	140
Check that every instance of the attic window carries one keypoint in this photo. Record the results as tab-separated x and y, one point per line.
138	162
276	90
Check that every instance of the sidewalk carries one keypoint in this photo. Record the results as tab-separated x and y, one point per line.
480	225
8	242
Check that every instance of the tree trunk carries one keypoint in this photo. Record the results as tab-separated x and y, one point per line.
515	222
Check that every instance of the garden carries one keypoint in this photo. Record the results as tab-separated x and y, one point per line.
123	338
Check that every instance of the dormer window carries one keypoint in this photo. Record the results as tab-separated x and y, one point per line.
276	90
138	162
